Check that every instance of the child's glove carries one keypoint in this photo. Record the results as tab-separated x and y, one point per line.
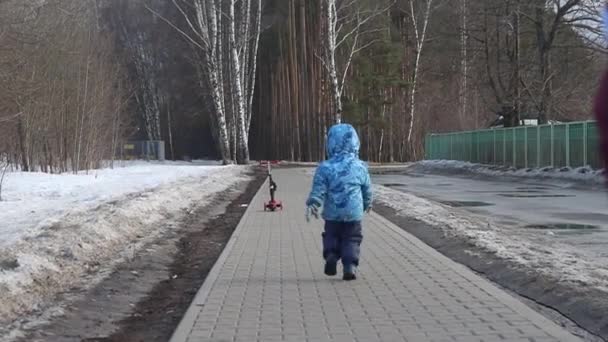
312	210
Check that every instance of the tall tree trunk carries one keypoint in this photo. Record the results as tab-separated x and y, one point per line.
464	63
170	133
22	145
252	64
331	18
420	33
237	90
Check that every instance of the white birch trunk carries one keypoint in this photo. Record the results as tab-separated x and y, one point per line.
237	89
253	63
420	35
330	48
237	57
334	37
208	15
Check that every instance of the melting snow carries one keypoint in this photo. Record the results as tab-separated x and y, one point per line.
56	228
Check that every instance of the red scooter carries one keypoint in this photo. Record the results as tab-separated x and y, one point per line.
273	205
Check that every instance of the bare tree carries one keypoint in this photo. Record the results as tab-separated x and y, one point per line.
58	73
146	61
346	22
550	16
204	24
218	60
501	47
420	17
243	46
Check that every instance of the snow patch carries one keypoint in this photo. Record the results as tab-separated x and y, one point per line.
33	201
549	257
58	230
584	174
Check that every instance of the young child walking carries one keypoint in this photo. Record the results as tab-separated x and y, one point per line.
342	186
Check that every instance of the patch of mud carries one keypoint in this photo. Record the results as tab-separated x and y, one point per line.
533	187
145	299
522	195
562	226
394	185
8	264
507	192
596	217
413	175
580	310
462	204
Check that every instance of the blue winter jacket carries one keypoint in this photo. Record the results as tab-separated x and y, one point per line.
342	184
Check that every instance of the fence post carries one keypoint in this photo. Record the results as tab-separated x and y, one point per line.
552	147
478	158
526	146
568	145
494	141
451	144
585	126
538	146
504	147
514	161
471	159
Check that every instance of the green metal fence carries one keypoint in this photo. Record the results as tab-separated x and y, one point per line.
572	144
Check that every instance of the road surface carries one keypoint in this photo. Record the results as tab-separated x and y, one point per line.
539	210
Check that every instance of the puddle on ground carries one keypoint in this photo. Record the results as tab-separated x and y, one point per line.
413	175
597	217
562	226
508	191
521	195
565	229
526	188
507	223
393	185
460	204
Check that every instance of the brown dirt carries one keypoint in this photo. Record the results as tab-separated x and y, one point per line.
161	312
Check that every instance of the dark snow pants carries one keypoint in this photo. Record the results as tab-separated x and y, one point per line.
342	240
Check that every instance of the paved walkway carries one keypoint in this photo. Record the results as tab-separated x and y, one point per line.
269	285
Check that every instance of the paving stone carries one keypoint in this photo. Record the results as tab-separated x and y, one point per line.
269	285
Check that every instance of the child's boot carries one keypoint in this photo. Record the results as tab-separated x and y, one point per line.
331	268
350	272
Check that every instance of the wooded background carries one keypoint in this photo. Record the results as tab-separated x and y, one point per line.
234	79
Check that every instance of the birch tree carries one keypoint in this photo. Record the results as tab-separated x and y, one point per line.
204	19
420	17
219	61
346	22
243	46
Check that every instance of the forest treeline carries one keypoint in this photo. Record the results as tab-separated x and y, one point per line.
265	79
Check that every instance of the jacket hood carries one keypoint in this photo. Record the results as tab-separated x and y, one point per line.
342	139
